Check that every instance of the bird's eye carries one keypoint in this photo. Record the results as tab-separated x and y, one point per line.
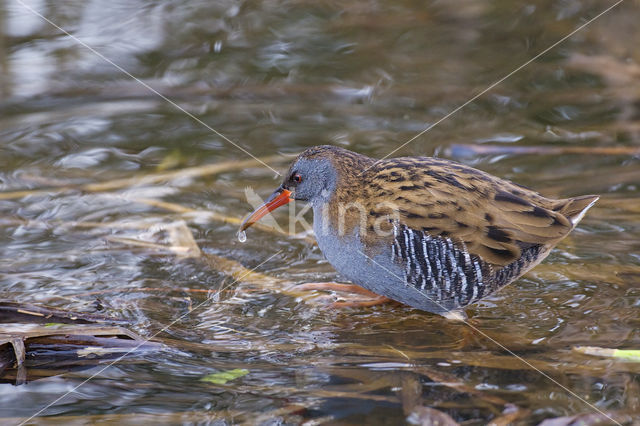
296	178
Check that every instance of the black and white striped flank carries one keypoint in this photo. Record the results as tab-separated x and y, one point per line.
446	272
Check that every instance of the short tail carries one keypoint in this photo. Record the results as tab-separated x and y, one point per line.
575	208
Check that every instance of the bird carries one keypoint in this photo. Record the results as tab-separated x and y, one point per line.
427	232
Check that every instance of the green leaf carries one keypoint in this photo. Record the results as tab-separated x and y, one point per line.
223	377
622	354
171	161
54	324
627	354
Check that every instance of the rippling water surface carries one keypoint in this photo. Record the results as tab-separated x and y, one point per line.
99	125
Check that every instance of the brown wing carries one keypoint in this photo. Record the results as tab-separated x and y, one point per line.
494	218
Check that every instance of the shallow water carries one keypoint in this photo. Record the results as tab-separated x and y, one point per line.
274	78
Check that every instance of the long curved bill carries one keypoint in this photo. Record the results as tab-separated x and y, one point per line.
279	198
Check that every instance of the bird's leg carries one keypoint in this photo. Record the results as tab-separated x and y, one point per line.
362	303
370	298
333	286
457	315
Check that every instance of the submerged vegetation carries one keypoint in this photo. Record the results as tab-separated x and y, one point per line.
121	272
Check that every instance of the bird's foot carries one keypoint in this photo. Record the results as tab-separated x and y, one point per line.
457	315
362	303
365	297
332	286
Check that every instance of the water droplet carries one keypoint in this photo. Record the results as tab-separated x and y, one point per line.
242	236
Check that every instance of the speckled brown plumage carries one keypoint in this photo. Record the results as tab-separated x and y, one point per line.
428	232
494	218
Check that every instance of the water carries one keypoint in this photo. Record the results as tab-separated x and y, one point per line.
107	203
242	236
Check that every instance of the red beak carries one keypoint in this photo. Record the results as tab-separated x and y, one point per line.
279	198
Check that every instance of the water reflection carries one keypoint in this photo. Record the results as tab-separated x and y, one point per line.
275	78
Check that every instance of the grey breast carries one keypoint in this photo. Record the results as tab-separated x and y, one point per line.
384	273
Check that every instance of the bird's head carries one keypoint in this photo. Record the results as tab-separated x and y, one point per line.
312	177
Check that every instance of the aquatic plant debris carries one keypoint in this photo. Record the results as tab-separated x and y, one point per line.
32	351
362	75
623	354
223	377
